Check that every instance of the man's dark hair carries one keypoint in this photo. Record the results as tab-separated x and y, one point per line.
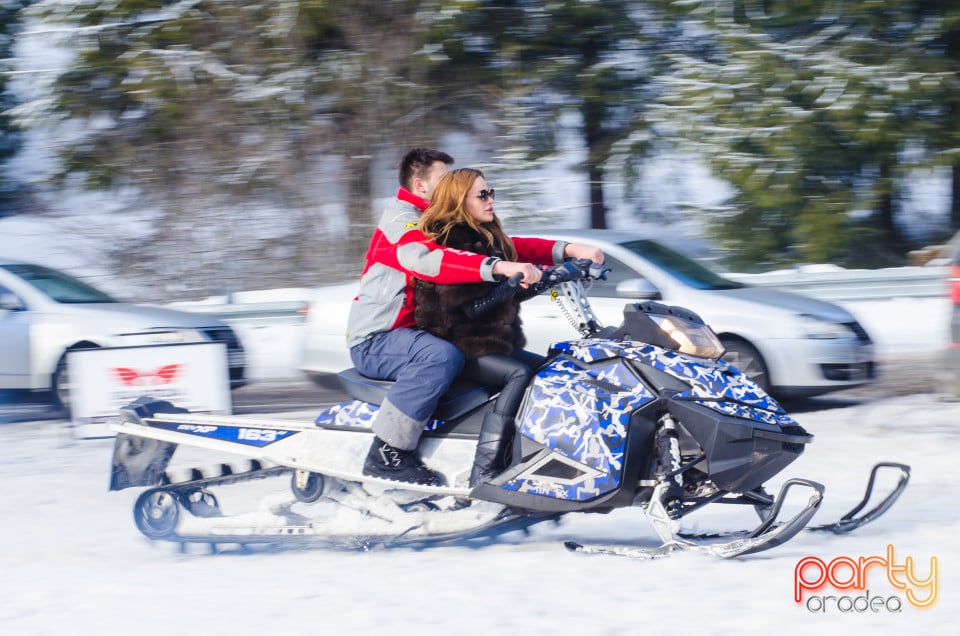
417	162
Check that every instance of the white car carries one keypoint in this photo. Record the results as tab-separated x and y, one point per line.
44	313
792	345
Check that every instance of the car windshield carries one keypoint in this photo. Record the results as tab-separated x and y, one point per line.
679	266
57	285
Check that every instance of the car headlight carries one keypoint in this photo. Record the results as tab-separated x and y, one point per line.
168	336
820	329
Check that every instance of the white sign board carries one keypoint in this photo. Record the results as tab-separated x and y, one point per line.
193	376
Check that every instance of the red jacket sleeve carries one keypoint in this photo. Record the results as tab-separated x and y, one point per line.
417	256
534	250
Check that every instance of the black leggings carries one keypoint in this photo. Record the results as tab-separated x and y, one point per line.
512	371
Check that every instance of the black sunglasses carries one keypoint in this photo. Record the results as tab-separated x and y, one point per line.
487	194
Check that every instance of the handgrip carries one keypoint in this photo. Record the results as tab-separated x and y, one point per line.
500	294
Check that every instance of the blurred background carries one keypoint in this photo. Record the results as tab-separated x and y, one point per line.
184	148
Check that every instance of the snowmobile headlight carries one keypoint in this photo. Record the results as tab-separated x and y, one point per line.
691	338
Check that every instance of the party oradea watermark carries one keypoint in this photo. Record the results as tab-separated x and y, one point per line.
874	584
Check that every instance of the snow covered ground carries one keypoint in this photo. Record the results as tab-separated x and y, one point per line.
74	563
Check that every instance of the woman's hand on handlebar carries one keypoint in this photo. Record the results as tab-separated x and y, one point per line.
579	250
531	273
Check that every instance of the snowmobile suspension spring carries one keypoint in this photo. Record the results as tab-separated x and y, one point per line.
668	452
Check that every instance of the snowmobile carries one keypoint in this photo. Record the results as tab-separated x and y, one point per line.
644	414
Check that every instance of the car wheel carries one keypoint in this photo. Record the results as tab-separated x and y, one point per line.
61	386
745	357
61	382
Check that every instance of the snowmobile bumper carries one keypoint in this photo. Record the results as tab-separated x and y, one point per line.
140	461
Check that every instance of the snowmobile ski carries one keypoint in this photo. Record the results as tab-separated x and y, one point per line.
849	521
768	534
853	519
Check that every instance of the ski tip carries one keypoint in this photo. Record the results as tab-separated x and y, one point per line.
573	546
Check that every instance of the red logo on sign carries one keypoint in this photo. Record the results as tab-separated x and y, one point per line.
132	377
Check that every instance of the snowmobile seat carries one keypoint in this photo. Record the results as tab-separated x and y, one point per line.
462	396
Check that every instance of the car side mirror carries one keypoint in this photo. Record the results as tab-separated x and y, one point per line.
10	302
639	288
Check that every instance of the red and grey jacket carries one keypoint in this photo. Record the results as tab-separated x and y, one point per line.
399	252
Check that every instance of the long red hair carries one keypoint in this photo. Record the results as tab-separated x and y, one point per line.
448	209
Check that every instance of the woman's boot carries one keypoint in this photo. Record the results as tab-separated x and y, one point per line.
496	433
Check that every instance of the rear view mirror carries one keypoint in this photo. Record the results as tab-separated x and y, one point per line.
639	288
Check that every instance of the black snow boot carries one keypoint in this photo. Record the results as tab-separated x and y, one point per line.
496	433
387	462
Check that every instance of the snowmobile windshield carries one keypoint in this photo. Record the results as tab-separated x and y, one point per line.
56	285
691	338
686	270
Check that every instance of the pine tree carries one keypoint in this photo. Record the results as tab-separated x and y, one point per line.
9	134
545	59
227	115
807	108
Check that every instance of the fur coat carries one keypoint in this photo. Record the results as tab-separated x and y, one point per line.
439	308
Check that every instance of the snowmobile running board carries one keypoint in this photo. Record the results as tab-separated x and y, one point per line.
137	463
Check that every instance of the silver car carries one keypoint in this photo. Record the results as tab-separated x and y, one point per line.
44	313
792	345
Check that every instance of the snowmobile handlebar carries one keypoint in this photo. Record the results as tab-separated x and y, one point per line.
572	270
503	292
577	269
